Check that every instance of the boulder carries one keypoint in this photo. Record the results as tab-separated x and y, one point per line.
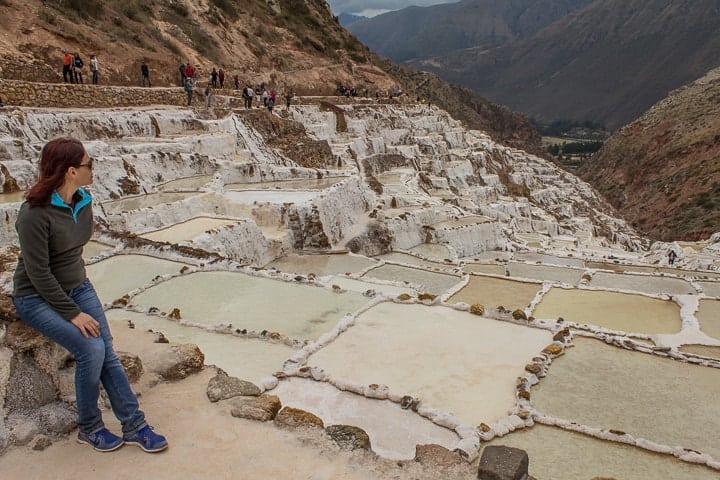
294	417
499	462
28	387
477	309
20	337
438	455
22	429
179	361
57	418
40	442
222	387
349	437
261	408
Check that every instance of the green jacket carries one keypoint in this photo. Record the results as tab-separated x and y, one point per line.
51	244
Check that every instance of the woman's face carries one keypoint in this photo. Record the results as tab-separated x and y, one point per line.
85	171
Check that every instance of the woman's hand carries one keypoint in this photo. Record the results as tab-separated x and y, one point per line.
87	325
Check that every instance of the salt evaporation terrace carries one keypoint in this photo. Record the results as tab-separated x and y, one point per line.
464	314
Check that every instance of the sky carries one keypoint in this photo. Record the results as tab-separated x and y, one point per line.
370	8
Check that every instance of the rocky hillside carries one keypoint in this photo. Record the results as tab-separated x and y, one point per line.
289	44
607	62
415	33
662	172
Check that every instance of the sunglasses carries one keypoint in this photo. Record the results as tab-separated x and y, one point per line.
89	164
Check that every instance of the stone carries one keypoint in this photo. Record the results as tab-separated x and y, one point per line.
40	442
295	417
560	336
553	349
349	437
132	364
404	297
438	455
499	462
28	387
179	361
22	429
426	297
519	315
533	368
262	408
57	418
222	386
477	309
20	337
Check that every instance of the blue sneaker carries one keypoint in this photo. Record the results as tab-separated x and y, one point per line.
103	440
146	439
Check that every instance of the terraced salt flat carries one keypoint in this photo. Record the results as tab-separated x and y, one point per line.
704	350
270	196
144	201
186	231
454	361
585	457
432	251
363	286
569	276
617	311
487	268
711	289
408	259
248	359
321	264
619	267
393	432
186	183
651	284
12	197
709	317
300	184
93	249
252	303
494	292
550	259
120	274
463	222
647	396
422	280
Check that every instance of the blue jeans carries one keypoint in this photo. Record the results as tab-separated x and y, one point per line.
96	361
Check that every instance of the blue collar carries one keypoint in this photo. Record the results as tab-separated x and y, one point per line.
85	199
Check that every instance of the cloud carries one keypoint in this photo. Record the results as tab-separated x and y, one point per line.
371	6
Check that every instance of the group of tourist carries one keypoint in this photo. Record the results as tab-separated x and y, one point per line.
73	65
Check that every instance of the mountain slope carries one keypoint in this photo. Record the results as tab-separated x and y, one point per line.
421	32
662	171
607	63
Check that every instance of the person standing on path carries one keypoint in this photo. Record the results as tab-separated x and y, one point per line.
78	65
221	78
95	69
52	294
68	67
145	73
189	87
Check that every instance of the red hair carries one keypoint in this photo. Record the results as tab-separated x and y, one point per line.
57	156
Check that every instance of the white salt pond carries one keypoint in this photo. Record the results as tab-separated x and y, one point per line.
550	259
423	280
186	183
709	317
487	268
363	286
569	276
495	292
408	259
321	264
186	231
650	284
252	303
248	359
665	401
585	457
453	361
300	184
270	196
12	197
711	289
120	274
617	311
144	201
393	432
432	251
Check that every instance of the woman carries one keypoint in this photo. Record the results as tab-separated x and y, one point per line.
53	295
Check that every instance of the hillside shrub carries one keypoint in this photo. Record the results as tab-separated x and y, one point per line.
83	8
